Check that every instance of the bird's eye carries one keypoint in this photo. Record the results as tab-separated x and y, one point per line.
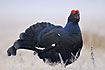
78	14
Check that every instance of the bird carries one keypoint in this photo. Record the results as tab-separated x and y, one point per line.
52	42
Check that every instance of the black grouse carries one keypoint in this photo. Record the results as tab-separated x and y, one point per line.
52	42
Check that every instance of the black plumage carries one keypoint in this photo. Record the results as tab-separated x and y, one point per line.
55	40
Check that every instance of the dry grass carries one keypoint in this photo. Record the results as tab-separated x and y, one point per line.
93	39
25	60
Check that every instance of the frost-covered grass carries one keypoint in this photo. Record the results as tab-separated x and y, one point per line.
25	60
92	57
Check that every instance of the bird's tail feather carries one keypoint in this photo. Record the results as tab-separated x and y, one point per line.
28	39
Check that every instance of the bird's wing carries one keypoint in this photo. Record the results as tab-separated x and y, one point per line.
49	39
47	30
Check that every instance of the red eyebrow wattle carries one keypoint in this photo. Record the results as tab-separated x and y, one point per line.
77	11
73	11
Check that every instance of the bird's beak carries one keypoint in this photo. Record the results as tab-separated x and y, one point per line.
77	16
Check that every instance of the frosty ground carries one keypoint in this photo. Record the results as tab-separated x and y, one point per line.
25	60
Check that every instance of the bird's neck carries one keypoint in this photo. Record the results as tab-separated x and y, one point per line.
71	26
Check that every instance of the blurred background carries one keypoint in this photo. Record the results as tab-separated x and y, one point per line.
17	15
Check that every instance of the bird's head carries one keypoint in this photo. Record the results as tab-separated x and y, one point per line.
74	16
